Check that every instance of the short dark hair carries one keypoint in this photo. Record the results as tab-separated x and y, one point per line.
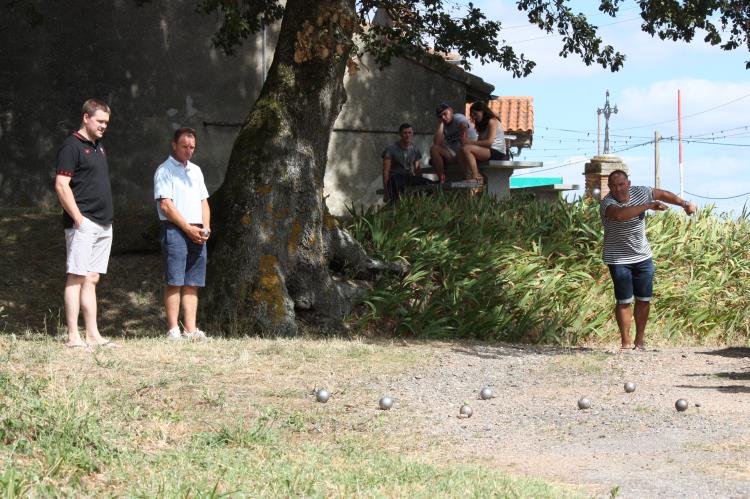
442	107
183	131
616	172
91	106
403	127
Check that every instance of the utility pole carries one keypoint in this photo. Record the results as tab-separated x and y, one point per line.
607	111
657	180
679	128
598	132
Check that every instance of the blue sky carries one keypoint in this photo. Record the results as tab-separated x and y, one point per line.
715	95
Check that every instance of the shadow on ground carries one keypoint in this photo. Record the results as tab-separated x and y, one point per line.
32	274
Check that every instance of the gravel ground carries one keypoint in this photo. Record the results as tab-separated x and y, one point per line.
627	444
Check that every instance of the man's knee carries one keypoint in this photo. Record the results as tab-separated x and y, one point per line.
92	278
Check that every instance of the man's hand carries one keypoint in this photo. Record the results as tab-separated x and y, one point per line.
690	208
194	234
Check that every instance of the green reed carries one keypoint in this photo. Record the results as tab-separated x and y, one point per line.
524	270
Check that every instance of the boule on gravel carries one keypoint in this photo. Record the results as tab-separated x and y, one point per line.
385	403
584	403
322	395
465	411
629	387
486	393
681	405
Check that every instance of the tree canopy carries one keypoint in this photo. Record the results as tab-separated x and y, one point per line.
422	27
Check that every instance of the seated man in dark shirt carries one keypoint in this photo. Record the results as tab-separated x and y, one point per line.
401	164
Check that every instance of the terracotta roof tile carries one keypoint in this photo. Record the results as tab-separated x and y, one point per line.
517	115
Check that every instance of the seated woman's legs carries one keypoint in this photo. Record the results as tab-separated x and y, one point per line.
468	157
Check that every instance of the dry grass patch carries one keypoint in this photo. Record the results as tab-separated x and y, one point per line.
235	417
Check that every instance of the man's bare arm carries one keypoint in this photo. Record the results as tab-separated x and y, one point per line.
67	199
672	198
622	213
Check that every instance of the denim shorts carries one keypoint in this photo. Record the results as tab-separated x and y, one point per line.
633	278
184	260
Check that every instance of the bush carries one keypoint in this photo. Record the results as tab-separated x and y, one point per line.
523	270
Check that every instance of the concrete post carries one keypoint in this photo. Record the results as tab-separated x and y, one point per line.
596	172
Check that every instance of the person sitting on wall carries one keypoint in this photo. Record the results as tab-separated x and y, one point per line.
452	131
401	164
490	143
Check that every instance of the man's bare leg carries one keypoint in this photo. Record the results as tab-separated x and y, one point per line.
72	300
437	161
172	305
190	307
624	318
642	309
88	307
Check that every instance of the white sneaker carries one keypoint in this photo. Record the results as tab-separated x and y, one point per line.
197	335
174	334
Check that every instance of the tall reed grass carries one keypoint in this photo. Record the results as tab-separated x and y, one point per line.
523	270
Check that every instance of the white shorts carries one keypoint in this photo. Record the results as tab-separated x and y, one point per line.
88	248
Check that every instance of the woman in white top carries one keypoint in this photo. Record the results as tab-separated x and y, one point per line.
490	145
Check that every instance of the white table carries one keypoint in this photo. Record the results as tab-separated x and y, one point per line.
498	175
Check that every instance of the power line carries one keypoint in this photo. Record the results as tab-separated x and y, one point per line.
729	197
689	115
569	163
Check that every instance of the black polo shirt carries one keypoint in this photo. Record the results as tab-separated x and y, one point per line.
85	162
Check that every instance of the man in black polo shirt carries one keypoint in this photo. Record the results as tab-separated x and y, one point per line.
83	188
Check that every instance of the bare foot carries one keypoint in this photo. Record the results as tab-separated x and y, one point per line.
96	340
78	346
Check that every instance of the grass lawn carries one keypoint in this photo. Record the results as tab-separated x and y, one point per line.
224	417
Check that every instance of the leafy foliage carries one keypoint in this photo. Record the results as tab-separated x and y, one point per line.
423	28
523	270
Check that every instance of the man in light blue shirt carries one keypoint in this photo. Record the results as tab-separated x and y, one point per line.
182	203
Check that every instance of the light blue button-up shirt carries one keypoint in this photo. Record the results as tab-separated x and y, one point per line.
184	185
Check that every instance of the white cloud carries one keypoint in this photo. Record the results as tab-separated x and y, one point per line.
706	105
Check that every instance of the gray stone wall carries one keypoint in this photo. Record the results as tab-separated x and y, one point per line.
154	64
156	67
378	102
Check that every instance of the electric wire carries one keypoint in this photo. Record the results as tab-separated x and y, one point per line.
718	198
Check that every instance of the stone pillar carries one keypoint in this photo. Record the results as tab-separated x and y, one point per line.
596	172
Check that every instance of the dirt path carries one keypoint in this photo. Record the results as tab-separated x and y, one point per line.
630	445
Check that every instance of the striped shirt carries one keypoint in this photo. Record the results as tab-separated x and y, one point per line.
625	240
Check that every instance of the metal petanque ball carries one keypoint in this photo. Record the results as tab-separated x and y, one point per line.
486	393
385	403
584	403
629	387
681	405
465	411
322	395
204	232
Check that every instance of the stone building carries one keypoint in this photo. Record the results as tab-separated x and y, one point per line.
157	68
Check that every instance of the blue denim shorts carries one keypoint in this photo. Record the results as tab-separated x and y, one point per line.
184	260
633	279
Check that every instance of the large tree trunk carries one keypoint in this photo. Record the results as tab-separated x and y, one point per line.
274	239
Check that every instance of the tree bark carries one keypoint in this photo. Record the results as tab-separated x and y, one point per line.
273	238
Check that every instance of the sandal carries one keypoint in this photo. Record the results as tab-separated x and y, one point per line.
478	190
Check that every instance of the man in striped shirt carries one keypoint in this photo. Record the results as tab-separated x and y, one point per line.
626	249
